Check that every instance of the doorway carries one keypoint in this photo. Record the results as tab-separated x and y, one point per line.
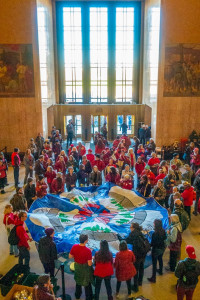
77	121
97	122
130	121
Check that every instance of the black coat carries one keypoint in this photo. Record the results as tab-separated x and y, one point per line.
29	193
134	239
39	169
47	250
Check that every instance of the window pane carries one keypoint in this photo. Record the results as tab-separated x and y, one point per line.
124	53
73	53
98	53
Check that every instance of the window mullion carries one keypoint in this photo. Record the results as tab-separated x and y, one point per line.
86	53
111	53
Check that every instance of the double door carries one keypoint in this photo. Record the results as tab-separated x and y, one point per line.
97	122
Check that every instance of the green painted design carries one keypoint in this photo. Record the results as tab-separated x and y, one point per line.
122	221
97	228
63	217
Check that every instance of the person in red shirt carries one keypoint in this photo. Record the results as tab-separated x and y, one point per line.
103	269
110	164
83	261
187	196
100	146
126	182
23	245
90	156
141	151
9	221
15	160
153	162
57	185
139	166
127	140
113	176
161	175
41	187
2	176
98	162
149	174
50	175
62	153
106	154
81	150
124	266
116	142
60	165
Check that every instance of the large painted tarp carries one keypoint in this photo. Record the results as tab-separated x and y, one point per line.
101	212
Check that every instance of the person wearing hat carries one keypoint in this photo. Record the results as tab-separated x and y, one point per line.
47	251
44	289
30	192
147	171
188	174
90	156
187	195
176	161
187	271
183	215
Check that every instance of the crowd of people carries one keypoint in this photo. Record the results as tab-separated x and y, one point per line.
128	164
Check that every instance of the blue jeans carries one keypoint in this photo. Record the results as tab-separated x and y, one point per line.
14	249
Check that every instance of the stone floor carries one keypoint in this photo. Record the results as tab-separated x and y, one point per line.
163	289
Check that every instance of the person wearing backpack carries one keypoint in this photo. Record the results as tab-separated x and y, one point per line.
23	239
175	240
183	215
187	272
137	240
9	221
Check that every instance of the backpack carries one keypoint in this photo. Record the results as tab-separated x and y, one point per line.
184	220
143	246
13	239
190	276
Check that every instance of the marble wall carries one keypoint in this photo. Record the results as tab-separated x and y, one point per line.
176	116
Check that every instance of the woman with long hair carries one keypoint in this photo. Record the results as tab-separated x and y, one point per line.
113	176
144	186
103	269
124	266
100	146
158	248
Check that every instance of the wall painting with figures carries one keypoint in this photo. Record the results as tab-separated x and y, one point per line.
182	70
16	70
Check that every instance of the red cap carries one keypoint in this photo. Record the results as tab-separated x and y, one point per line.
72	145
190	251
89	150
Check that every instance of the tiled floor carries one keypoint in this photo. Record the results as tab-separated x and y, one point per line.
164	288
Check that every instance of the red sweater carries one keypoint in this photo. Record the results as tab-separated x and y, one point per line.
15	159
22	235
2	171
187	196
50	176
55	188
41	189
90	157
82	150
60	166
103	269
139	167
127	184
160	176
11	219
124	265
98	150
153	161
116	143
99	163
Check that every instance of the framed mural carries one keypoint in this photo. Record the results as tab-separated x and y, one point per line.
182	70
16	70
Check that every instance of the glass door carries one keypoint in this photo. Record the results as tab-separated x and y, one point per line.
130	122
97	122
77	122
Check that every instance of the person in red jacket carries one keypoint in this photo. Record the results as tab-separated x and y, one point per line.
41	187
57	185
113	176
50	175
100	146
103	269
187	196
149	174
124	266
90	156
106	154
23	245
81	150
127	141
2	176
62	153
9	220
98	162
139	166
116	142
126	182
60	165
153	163
15	160
161	175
